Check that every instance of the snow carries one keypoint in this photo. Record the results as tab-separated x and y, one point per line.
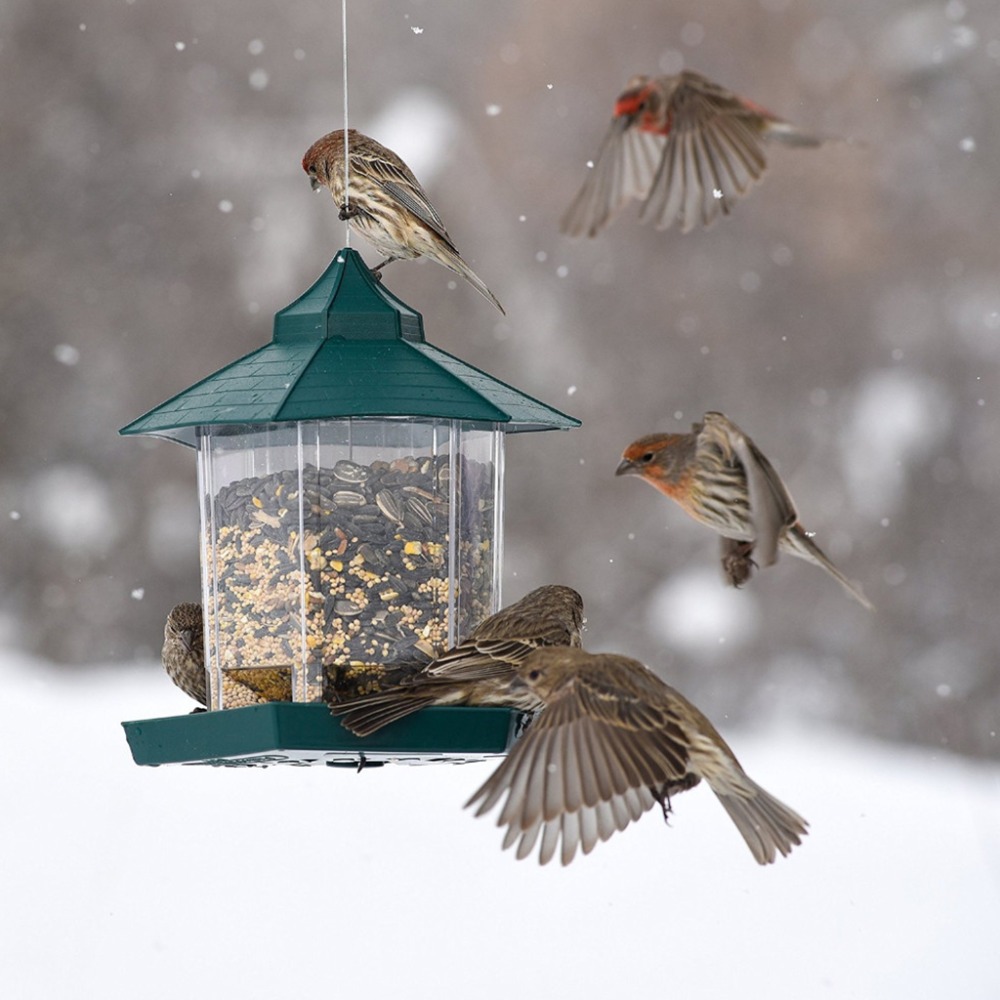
690	612
421	127
123	881
74	503
897	418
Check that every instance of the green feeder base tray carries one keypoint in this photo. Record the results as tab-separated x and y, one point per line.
281	732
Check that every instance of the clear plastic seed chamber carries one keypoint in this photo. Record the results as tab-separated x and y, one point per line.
351	485
329	543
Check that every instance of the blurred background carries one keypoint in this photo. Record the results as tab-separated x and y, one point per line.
847	316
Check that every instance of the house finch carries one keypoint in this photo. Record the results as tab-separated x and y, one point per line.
478	670
719	476
183	653
612	740
684	146
387	205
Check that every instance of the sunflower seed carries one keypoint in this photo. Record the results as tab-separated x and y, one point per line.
389	504
348	498
350	472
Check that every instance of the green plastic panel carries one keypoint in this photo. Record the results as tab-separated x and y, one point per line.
346	348
297	733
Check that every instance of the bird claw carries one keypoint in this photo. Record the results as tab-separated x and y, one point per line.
376	271
349	212
737	563
662	796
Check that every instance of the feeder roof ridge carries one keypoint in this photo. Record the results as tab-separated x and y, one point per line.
347	347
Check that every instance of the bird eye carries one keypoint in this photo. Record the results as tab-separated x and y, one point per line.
533	675
647	457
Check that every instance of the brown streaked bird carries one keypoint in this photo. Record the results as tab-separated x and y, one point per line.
183	653
386	203
718	476
478	670
612	741
685	147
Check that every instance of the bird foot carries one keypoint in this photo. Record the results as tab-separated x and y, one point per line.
737	562
662	796
349	212
376	271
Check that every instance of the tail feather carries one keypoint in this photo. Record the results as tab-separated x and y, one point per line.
801	545
768	826
453	260
368	715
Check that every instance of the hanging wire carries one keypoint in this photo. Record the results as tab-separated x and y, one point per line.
347	158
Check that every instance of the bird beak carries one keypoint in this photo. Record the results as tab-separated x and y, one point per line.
314	184
626	467
187	640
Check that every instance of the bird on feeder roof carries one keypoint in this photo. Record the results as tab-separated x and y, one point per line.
385	203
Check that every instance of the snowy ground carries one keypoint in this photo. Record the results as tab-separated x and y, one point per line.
120	881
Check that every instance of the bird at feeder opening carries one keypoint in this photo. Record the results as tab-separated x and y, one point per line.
479	669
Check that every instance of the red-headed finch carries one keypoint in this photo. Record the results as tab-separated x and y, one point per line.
183	654
386	203
613	740
718	476
685	147
478	670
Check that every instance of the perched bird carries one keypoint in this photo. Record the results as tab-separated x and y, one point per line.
613	740
386	203
720	477
478	670
183	653
684	146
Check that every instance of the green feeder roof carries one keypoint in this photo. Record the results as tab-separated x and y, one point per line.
346	348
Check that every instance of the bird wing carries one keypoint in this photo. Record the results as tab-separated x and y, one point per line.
622	170
398	181
771	506
711	156
481	659
586	767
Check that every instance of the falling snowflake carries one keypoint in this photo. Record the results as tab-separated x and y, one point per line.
66	354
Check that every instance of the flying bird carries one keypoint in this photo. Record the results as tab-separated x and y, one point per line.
718	476
386	203
612	741
478	670
685	147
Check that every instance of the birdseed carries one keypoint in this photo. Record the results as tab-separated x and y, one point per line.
352	571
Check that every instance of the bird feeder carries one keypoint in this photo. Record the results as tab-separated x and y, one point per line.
351	493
